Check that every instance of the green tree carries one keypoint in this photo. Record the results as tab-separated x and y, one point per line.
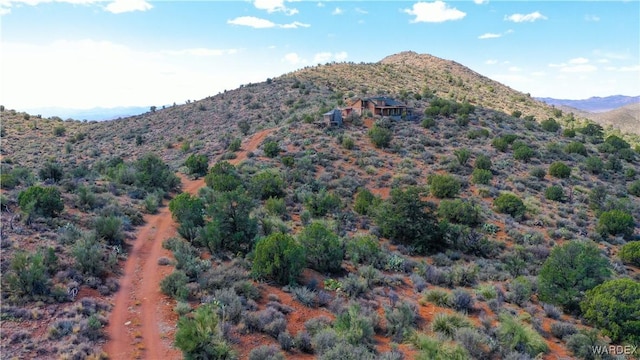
407	219
223	177
231	227
200	336
559	170
197	164
43	201
460	212
244	127
152	173
550	125
630	253
271	149
569	271
614	306
508	203
380	137
322	247
266	184
444	186
188	211
616	222
278	257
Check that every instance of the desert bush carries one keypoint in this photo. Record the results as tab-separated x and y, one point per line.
27	276
51	171
523	153
266	184
563	329
508	203
613	306
515	335
235	145
551	311
197	164
630	253
266	352
594	165
365	202
559	170
223	177
478	345
348	143
462	301
575	147
432	348
401	320
175	285
438	297
200	336
275	207
570	270
271	149
323	202
481	176
88	253
554	193
356	326
408	220
550	125
380	137
43	201
460	212
519	290
354	285
278	257
462	155
304	295
444	186
483	162
364	249
322	247
109	228
583	343
231	227
634	188
538	173
616	223
448	324
152	174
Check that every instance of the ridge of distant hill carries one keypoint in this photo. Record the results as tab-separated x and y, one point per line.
594	104
91	114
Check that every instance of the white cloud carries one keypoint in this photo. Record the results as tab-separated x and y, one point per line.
593	18
293	58
258	23
200	52
434	12
579	68
320	4
341	56
337	11
480	2
489	36
123	6
578	61
5	11
274	6
361	11
538	73
491	62
514	69
518	18
322	57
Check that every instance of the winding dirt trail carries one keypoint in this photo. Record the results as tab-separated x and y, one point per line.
142	321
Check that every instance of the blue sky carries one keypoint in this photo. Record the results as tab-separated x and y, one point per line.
90	53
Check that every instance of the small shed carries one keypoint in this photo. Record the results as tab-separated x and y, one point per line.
333	117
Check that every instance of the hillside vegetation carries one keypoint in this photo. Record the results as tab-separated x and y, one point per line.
491	227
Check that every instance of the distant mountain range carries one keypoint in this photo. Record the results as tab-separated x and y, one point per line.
594	104
98	113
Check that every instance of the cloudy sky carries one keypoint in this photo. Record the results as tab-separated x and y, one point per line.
90	53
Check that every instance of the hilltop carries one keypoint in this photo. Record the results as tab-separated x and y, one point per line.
595	104
446	235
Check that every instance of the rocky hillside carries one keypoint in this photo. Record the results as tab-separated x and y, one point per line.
490	227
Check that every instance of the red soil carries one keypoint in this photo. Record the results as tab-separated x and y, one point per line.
142	322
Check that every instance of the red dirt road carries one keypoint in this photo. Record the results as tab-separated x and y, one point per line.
142	321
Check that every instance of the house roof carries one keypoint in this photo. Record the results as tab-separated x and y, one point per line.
387	101
331	112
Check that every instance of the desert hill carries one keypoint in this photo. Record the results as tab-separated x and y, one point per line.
488	227
595	104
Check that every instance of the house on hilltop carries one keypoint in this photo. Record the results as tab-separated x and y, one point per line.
333	117
381	106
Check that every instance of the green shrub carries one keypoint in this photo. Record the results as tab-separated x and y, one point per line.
271	149
575	147
200	336
380	137
235	145
223	177
460	212
356	327
197	164
322	247
500	144
428	122
275	206
483	162
8	181
517	336
348	143
438	297
231	227
407	219
323	202
175	285
616	222
617	143
523	153
366	203
186	208
520	290
51	171
570	270
582	345
462	155
538	173
448	324
593	164
508	203
364	249
27	276
444	186
88	254
109	228
554	193
569	133
38	200
592	130
481	176
614	306
550	125
432	348
59	130
278	257
266	184
630	253
401	320
152	173
559	170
